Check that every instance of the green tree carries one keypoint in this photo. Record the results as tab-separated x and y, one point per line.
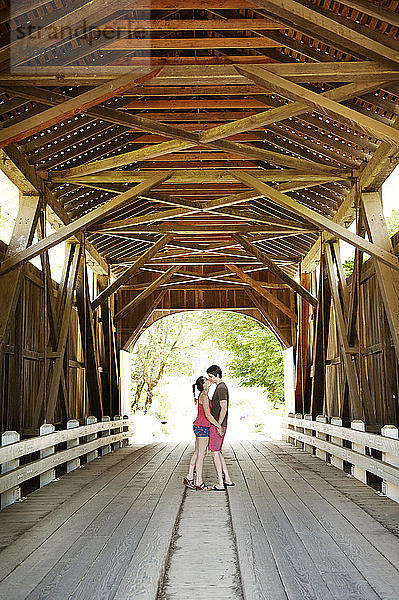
163	349
256	353
393	222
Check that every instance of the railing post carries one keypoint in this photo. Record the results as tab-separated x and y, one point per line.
308	447
10	496
117	430
125	441
298	443
358	472
390	489
289	439
75	463
90	438
335	460
107	448
47	476
322	436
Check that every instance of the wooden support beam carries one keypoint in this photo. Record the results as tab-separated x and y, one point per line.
287	111
342	326
284	340
320	103
321	221
388	281
309	21
21	238
212	176
190	25
109	358
70	107
65	317
145	293
275	269
222	71
89	339
141	323
319	350
131	271
263	292
379	167
206	43
24	176
75	226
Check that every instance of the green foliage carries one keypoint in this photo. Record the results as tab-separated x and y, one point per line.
348	266
169	347
256	354
393	222
164	349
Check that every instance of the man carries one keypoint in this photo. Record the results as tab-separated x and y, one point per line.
219	410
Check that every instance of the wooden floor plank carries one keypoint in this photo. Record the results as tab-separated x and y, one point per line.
120	526
302	530
301	578
373	565
325	553
195	567
34	554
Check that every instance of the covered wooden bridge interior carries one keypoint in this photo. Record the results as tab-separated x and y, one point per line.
200	154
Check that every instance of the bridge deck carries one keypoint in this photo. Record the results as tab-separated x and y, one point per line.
302	529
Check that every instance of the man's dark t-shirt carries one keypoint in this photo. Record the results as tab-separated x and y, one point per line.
221	393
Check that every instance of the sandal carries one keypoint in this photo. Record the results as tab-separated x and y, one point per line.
189	483
216	489
229	484
202	486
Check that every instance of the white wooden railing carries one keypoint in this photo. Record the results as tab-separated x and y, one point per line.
92	440
326	438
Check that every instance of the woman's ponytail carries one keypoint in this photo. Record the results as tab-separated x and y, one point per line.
194	386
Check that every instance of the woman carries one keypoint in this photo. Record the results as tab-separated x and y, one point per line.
201	431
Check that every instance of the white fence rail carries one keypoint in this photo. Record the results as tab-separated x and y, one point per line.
92	440
364	452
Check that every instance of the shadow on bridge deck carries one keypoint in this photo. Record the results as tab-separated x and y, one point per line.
294	528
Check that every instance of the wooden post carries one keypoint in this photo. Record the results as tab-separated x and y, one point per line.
335	461
298	443
90	438
14	494
390	489
322	436
75	463
388	279
107	448
308	447
126	441
288	438
357	471
47	476
117	430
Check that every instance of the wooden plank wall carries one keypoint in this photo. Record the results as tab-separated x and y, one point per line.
177	300
22	361
376	364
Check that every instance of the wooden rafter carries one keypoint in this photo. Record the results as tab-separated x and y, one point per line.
131	271
321	104
262	291
68	230
145	293
275	269
321	221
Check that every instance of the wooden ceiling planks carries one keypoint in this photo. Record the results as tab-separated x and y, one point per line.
331	131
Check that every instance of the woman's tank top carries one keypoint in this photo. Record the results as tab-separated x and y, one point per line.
201	419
